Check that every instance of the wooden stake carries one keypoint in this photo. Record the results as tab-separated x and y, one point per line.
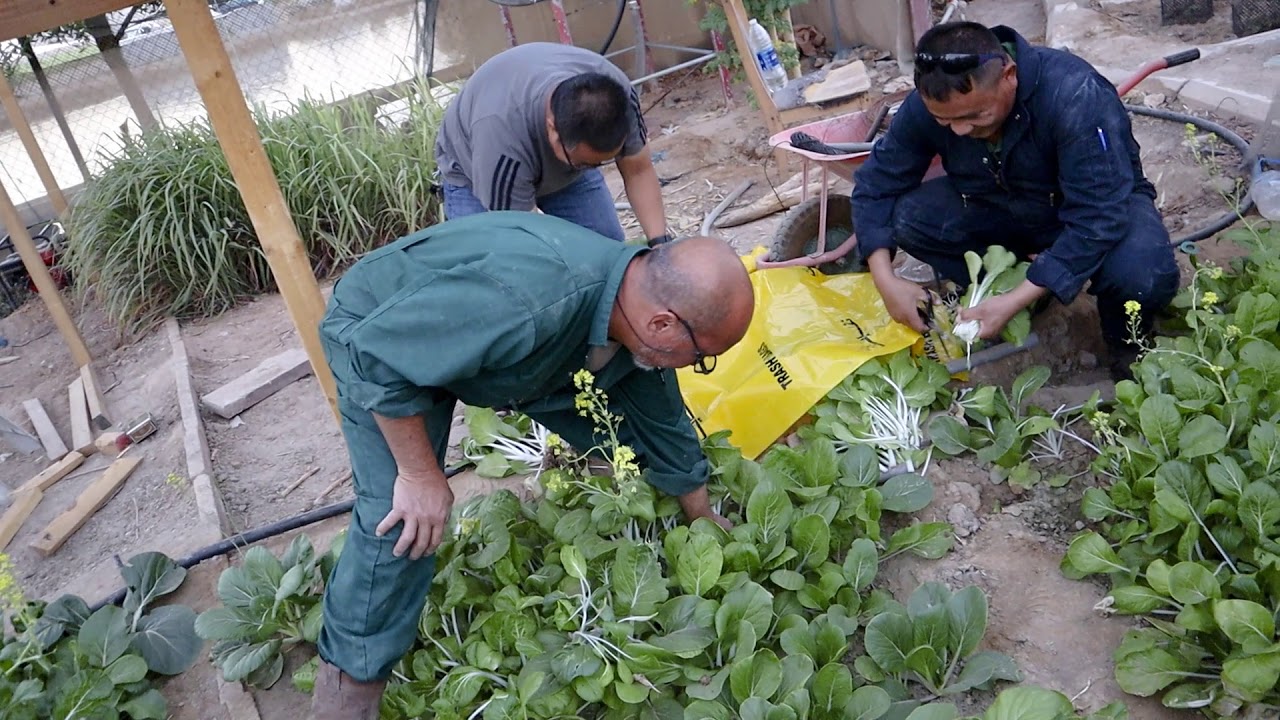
89	502
297	483
738	23
54	448
215	78
23	504
93	394
19	121
40	276
52	474
81	433
332	486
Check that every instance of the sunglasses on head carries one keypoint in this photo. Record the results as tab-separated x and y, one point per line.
954	63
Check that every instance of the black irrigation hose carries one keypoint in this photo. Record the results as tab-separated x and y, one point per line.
249	537
1228	218
617	23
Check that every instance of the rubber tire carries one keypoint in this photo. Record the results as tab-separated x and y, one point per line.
797	235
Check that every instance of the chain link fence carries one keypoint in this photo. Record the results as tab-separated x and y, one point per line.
84	102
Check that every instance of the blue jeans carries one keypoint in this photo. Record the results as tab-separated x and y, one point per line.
585	201
937	226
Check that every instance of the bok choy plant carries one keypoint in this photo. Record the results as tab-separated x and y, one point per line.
1000	272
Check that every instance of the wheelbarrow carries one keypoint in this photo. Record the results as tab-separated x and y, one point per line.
818	222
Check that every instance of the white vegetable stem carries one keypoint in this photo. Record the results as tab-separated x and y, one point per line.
530	450
895	428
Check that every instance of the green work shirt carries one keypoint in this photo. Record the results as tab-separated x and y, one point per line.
499	310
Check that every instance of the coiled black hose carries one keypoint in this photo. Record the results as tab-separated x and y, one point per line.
1228	218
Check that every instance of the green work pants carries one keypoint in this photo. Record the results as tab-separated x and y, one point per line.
373	599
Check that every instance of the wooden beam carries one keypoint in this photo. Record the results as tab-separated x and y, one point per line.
93	395
16	515
81	433
40	276
19	18
269	377
45	429
89	502
19	121
52	474
238	135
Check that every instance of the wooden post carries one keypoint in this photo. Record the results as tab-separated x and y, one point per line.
55	107
738	23
19	120
26	248
238	135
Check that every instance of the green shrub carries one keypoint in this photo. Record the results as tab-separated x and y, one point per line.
163	229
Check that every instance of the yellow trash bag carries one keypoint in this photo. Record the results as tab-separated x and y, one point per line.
809	332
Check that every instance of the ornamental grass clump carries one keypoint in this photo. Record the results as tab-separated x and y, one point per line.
162	229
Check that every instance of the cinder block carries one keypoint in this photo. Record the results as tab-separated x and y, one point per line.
1250	17
1185	12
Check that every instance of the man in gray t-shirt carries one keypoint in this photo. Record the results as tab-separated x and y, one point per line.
531	128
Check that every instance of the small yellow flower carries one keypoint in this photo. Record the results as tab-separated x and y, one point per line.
583	379
1233	331
468	526
1216	369
1132	308
1210	298
1215	273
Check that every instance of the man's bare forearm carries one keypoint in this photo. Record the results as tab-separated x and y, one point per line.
410	446
640	180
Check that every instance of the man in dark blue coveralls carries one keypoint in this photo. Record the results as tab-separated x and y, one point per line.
1040	158
499	310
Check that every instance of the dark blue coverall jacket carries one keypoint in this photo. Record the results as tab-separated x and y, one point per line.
1065	182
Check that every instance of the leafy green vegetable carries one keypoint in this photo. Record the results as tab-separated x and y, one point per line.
1186	530
62	661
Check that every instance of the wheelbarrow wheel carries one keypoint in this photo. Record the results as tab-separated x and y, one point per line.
797	236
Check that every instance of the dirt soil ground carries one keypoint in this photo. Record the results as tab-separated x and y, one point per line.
1010	544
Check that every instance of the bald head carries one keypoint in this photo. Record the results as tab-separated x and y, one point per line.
703	280
698	281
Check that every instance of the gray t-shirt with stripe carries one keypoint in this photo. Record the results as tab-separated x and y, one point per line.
494	135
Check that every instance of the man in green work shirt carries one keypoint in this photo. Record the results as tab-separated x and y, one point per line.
498	310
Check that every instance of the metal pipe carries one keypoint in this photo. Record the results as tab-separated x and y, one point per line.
562	22
644	61
726	84
508	25
991	354
675	68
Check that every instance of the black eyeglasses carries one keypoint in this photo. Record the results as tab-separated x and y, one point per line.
575	166
703	363
955	63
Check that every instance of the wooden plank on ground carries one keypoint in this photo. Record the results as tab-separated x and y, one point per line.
45	429
53	473
11	522
93	394
81	432
258	384
842	82
88	503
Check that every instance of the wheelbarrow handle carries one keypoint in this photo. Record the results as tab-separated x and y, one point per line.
1178	58
1182	58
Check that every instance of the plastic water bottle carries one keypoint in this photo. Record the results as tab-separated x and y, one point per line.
775	77
1266	194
